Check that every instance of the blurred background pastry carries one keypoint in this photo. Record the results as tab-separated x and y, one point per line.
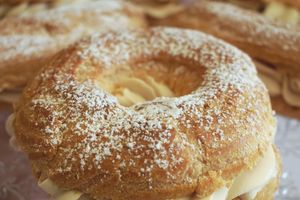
29	40
160	8
283	10
268	31
20	7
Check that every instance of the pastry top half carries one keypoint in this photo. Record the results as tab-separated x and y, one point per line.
78	130
29	41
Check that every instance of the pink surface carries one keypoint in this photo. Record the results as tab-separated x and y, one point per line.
17	182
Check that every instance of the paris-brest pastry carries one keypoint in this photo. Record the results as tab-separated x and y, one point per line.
269	31
159	114
31	39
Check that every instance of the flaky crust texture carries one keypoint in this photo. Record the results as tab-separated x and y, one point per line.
28	42
272	42
81	138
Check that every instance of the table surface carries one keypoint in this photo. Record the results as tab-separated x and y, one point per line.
17	182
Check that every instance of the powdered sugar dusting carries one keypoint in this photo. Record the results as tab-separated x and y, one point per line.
169	136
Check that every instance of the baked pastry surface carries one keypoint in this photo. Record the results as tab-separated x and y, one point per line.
78	135
29	41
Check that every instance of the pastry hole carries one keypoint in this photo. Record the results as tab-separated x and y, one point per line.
149	80
135	90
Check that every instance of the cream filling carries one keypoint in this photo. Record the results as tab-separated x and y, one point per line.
220	194
11	132
162	11
134	90
288	87
278	84
271	78
251	182
279	11
247	185
273	86
58	194
291	91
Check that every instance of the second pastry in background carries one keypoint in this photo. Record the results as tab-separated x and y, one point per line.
30	40
272	43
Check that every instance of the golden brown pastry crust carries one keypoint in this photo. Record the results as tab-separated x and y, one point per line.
81	138
28	42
